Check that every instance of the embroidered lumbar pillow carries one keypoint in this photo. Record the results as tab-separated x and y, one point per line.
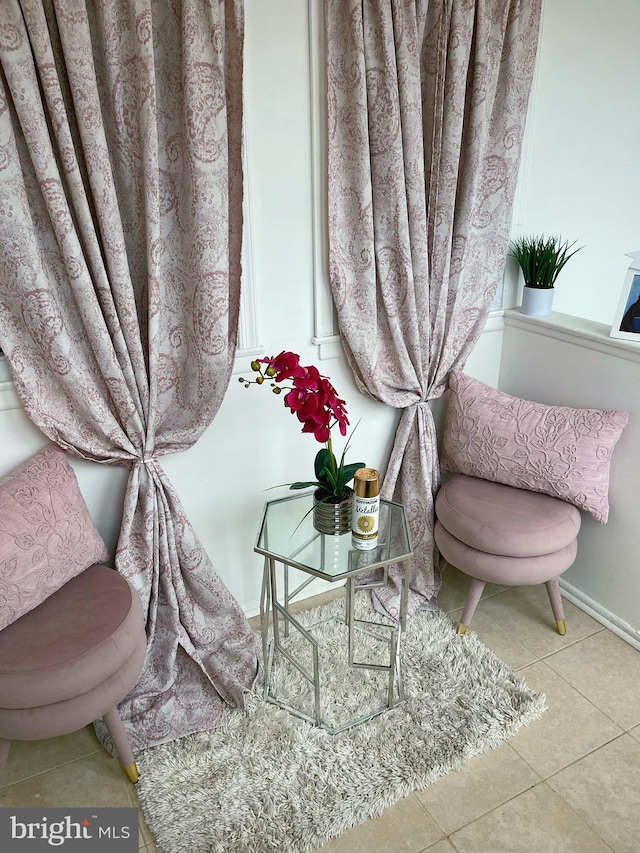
47	535
557	450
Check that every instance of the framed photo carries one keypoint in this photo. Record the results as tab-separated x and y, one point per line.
626	321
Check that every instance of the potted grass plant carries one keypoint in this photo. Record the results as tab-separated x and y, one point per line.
541	259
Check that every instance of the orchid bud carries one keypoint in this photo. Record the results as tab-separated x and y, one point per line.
255	366
270	371
259	380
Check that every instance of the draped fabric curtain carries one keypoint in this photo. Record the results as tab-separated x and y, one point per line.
120	238
426	108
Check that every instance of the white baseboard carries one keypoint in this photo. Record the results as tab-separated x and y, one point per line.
8	395
316	587
600	614
616	625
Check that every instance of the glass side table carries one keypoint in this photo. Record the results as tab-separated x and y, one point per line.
287	537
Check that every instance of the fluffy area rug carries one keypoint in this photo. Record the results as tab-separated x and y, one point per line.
266	780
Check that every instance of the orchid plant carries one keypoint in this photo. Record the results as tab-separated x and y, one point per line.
313	399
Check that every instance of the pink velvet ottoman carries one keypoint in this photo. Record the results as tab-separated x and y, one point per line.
505	535
71	660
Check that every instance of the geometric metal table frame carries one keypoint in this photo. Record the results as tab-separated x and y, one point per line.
294	544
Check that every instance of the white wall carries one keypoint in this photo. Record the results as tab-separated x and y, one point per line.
103	487
562	362
580	177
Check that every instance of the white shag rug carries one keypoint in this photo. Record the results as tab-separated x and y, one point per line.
267	781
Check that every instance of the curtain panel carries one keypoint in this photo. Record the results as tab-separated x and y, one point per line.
120	239
426	108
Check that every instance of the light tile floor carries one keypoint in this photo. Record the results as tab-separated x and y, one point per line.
568	782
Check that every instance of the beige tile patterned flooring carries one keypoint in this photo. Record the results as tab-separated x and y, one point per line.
569	782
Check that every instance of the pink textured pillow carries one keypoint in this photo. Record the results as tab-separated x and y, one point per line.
47	535
560	451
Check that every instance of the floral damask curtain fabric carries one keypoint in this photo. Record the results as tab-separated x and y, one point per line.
426	107
120	238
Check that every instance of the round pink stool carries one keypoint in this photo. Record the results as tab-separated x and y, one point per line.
71	660
505	535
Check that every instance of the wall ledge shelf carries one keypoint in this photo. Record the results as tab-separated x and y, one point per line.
574	330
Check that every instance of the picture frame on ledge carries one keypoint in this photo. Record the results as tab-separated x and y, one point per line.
626	321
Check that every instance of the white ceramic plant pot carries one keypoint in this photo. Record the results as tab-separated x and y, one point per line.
537	301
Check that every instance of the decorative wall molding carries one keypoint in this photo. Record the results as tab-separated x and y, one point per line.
325	318
249	346
495	322
329	346
621	629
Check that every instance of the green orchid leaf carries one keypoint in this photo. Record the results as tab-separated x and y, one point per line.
324	461
350	470
329	481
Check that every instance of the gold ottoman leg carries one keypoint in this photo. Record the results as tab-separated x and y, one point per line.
132	772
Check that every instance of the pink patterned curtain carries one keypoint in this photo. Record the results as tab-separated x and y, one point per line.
426	105
120	238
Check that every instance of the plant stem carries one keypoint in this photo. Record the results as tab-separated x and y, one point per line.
332	458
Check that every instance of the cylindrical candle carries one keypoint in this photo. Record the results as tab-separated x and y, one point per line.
366	508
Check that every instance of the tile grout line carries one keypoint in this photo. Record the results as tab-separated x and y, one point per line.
580	818
579	692
571	763
514	797
469	822
593	705
50	769
582	757
547	655
499	806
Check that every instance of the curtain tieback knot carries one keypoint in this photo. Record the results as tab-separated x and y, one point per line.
144	460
